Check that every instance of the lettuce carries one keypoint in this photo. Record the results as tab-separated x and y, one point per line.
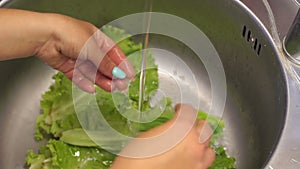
59	155
222	160
69	147
58	110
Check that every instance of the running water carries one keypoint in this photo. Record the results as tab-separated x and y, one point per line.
147	19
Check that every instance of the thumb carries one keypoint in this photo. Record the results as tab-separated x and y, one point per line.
205	132
185	113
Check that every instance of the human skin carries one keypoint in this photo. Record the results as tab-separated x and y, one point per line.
57	40
191	152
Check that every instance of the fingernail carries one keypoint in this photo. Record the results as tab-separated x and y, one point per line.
118	73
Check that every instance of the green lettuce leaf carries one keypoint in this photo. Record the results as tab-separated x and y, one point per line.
58	109
222	161
60	155
70	147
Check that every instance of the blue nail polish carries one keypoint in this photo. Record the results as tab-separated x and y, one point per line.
118	73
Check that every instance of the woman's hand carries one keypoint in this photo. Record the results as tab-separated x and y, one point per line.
59	40
193	152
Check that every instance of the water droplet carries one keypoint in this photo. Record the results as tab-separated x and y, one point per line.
294	161
77	154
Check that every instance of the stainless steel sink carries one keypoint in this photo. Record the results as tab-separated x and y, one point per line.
261	98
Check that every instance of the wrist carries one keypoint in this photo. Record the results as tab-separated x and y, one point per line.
57	27
67	35
49	40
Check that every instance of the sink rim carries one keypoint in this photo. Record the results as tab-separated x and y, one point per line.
292	91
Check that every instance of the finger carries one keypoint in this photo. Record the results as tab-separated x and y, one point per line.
82	82
121	84
107	66
205	132
115	53
66	66
209	157
177	107
104	82
185	112
89	70
119	58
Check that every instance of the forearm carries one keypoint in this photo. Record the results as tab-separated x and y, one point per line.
58	40
22	33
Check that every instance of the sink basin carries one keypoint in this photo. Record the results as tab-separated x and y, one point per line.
257	87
